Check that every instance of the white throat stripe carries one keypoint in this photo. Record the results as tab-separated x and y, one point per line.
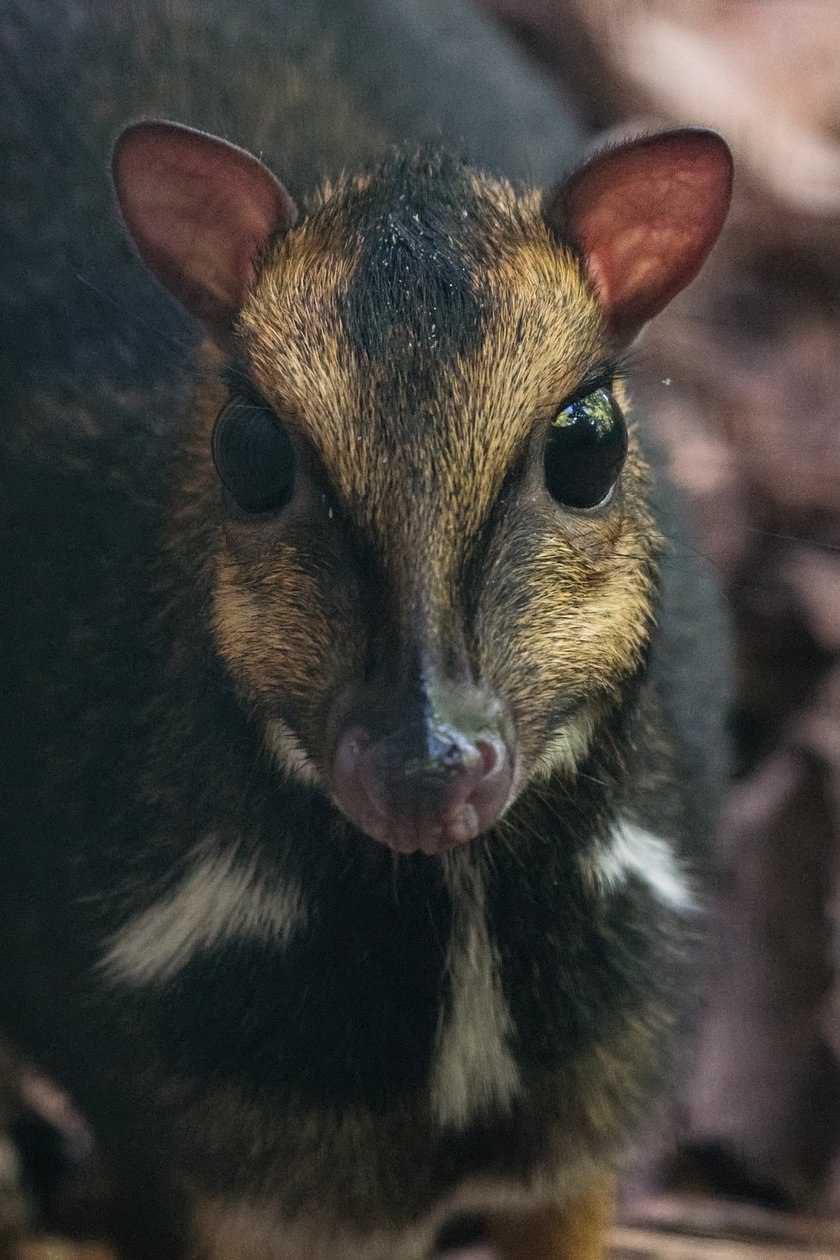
473	1071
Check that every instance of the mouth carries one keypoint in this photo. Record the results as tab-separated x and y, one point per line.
407	836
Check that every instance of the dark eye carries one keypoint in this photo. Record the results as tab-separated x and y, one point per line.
585	449
254	456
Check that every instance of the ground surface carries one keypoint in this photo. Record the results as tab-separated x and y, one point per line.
659	1229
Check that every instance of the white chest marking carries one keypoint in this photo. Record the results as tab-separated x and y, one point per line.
634	852
473	1069
219	899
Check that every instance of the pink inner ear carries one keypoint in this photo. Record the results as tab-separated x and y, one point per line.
646	216
200	210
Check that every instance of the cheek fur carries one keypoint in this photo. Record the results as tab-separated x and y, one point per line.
290	636
559	635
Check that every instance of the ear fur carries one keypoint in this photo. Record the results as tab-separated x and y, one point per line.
645	216
200	211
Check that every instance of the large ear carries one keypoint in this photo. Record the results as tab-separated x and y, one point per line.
200	210
645	217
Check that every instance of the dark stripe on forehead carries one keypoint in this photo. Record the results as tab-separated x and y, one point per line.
416	300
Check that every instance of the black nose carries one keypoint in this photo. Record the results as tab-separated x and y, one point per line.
423	794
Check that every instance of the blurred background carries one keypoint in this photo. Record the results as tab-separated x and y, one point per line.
741	379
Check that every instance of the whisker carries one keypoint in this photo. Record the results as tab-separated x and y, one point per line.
186	346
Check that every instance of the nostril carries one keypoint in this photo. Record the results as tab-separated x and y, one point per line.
492	754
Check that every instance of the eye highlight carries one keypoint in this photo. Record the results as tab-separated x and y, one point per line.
585	449
254	456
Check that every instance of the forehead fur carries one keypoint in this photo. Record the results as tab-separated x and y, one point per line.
415	326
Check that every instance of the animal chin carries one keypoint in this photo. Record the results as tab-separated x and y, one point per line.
418	835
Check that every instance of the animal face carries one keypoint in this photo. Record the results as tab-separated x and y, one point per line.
434	565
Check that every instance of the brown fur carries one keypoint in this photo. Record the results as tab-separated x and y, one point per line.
286	629
300	1037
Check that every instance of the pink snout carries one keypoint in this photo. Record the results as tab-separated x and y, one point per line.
457	788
